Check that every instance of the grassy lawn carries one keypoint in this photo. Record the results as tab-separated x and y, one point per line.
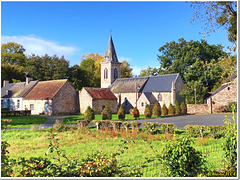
70	120
77	144
25	121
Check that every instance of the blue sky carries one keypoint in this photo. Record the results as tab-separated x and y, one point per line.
72	29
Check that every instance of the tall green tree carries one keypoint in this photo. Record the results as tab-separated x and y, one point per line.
12	73
149	72
217	14
126	71
13	53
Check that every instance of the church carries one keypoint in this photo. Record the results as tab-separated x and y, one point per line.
129	92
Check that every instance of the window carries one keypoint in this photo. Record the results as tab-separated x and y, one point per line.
159	97
115	73
2	103
125	102
8	104
142	104
105	73
18	104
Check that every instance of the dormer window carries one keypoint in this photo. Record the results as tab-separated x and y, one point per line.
8	92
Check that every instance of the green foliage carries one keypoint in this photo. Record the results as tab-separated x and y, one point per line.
135	113
6	165
77	77
148	111
230	142
164	110
106	113
5	123
10	72
89	114
230	105
149	72
13	54
215	131
183	108
157	109
121	113
177	108
171	110
126	71
159	127
180	159
195	130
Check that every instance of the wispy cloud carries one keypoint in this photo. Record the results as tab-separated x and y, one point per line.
39	46
136	70
121	58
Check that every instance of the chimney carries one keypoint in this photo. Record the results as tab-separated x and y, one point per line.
28	80
5	82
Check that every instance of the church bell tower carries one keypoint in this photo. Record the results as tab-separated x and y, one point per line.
110	67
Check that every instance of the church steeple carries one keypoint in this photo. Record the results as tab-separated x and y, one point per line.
110	54
110	67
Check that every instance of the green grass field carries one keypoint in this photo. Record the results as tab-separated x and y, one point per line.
77	144
25	121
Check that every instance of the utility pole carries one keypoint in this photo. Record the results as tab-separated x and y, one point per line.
195	99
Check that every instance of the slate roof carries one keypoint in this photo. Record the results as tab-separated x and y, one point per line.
17	90
45	89
162	83
110	54
100	93
128	85
150	97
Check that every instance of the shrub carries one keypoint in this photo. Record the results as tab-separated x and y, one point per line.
6	169
230	142
121	113
177	108
157	109
135	113
82	123
195	130
164	110
183	108
106	113
180	159
171	110
89	114
229	107
215	131
147	111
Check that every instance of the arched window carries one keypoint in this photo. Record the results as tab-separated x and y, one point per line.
115	73
159	97
105	73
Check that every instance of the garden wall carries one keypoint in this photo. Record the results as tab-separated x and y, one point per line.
200	108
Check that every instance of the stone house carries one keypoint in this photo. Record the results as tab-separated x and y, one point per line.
12	94
131	92
97	99
53	97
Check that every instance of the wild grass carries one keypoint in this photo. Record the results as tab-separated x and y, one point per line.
79	143
25	121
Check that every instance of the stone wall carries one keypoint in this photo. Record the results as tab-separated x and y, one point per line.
199	108
166	98
64	102
100	104
85	100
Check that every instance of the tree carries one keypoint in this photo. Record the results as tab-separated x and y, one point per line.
149	72
12	73
157	109
13	53
217	14
77	77
126	71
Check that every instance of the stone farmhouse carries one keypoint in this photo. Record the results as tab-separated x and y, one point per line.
53	97
130	92
12	94
97	99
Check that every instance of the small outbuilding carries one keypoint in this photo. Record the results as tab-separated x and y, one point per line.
97	99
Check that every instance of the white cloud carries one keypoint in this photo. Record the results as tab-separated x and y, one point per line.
39	46
136	70
128	59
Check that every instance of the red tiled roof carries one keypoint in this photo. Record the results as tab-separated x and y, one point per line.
46	89
100	93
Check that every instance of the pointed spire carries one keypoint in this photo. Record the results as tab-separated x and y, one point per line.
110	54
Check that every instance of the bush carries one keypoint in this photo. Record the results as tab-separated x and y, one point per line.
147	111
180	159
135	113
215	131
106	113
177	108
195	130
6	168
229	107
171	110
121	113
183	108
230	143
89	114
164	110
157	109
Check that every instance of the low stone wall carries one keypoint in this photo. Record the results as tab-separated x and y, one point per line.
200	108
